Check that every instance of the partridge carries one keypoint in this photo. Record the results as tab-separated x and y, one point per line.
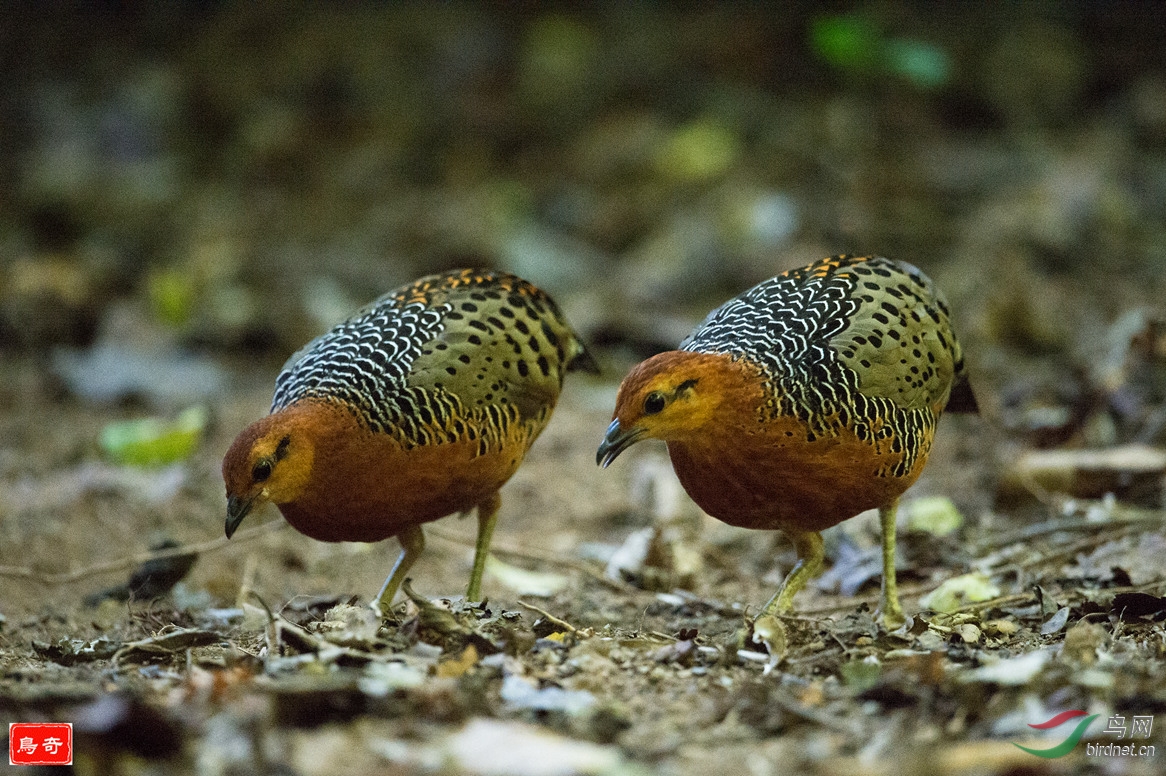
804	401
421	405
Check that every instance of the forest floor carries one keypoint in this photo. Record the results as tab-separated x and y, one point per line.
263	659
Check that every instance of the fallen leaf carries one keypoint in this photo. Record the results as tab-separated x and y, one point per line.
1055	623
520	693
380	679
936	515
969	632
1137	605
958	591
154	441
455	667
525	582
496	748
1014	671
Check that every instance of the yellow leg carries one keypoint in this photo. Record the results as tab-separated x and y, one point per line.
889	608
412	545
487	519
811	554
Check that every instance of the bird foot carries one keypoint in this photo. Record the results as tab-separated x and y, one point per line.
771	632
893	620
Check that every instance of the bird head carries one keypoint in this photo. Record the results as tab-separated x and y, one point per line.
271	460
672	396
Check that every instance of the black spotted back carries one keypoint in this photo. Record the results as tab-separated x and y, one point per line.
462	354
863	343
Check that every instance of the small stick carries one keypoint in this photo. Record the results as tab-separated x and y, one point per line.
133	561
559	623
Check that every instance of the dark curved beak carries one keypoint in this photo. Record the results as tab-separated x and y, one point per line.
615	442
237	509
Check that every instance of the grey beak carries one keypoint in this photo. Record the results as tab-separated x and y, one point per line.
615	442
237	509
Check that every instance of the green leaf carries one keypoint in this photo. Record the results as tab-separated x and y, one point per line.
154	441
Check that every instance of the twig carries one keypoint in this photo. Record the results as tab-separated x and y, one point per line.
133	561
169	642
557	622
1020	597
1123	517
1060	553
538	557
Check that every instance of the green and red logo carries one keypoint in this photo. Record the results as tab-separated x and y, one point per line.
1066	746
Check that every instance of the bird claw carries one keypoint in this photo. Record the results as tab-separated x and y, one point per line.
771	632
895	622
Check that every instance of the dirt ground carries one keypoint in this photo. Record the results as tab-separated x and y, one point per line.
194	201
575	671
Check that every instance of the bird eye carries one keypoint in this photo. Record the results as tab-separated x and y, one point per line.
261	471
653	403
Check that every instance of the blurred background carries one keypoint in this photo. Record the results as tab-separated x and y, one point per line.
249	172
192	190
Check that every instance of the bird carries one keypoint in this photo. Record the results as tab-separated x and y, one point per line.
421	405
800	403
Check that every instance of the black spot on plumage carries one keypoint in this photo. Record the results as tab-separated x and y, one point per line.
523	369
550	335
469	307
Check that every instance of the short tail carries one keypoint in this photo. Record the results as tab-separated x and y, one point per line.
962	399
584	362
